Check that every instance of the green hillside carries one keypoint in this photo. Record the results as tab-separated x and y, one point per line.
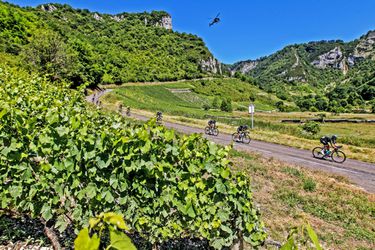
87	47
326	75
194	98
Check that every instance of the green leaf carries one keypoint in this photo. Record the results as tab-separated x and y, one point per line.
3	112
289	245
169	135
220	187
91	190
146	148
85	242
226	229
61	223
119	240
61	131
225	173
313	236
46	212
116	220
190	210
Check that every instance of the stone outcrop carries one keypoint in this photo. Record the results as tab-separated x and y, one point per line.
97	17
211	65
244	67
48	7
331	59
118	18
366	47
165	22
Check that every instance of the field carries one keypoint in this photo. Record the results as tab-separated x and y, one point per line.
169	97
358	138
342	215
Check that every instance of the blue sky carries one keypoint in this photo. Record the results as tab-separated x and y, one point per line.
249	28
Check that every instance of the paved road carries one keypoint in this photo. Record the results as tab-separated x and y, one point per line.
360	173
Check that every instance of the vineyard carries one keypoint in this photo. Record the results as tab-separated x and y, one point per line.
64	162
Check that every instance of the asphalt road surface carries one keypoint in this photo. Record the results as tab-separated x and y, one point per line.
360	173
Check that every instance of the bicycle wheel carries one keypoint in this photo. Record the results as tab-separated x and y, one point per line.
246	138
317	152
235	137
338	156
215	131
207	130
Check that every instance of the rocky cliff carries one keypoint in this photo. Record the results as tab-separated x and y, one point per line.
307	62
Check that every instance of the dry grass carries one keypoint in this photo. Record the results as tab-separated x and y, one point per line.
341	214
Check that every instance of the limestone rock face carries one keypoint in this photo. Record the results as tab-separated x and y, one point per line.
211	65
97	17
366	47
118	18
331	59
165	22
48	7
244	67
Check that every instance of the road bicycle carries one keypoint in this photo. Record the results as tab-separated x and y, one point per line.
243	137
211	130
336	154
159	117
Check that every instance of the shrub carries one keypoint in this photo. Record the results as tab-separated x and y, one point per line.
206	106
309	185
63	161
280	106
215	103
226	105
311	127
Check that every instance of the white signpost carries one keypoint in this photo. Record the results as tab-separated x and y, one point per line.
251	111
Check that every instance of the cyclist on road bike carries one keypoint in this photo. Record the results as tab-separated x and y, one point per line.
212	123
242	128
327	142
159	116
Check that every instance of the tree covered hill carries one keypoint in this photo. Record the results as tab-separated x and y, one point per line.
324	74
84	46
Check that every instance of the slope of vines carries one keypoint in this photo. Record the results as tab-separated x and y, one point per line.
64	162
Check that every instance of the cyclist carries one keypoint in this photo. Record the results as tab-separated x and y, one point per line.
242	128
159	116
212	123
327	142
128	111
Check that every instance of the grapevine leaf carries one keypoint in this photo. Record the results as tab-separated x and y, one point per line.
85	242
120	241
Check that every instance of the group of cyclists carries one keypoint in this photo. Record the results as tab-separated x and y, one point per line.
329	148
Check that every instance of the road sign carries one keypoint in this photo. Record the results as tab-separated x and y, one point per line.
251	109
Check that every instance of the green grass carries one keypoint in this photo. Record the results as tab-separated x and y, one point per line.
159	97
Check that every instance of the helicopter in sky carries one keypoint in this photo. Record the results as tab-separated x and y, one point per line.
215	20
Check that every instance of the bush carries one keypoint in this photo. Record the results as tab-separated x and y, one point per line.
309	185
206	106
215	103
373	107
311	127
314	109
226	105
166	185
280	106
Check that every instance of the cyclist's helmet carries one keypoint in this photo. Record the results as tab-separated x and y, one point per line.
158	113
245	127
334	138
